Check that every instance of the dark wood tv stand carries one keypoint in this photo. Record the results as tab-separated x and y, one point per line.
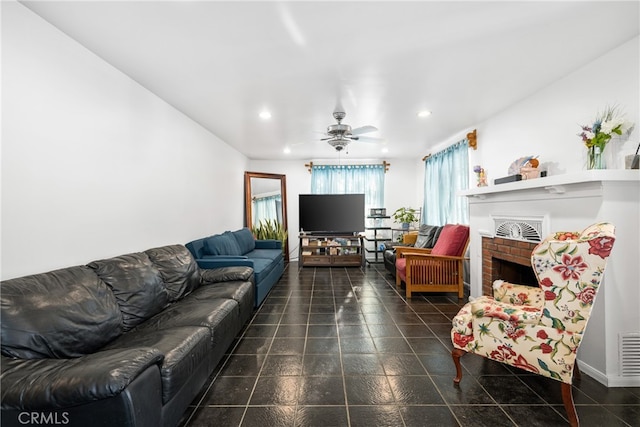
326	250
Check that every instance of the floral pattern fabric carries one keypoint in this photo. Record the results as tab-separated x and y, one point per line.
540	329
517	294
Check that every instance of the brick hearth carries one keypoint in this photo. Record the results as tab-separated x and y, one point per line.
497	249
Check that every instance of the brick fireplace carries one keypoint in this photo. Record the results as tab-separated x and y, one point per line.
508	260
506	250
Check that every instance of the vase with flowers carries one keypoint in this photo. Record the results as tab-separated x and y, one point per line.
596	136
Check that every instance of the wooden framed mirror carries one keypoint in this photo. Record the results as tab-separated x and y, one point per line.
265	198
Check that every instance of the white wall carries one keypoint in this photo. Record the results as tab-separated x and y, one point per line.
93	164
547	123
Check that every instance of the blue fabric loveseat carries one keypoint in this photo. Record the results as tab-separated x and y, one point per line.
240	248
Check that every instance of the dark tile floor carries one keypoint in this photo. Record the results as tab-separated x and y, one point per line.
341	347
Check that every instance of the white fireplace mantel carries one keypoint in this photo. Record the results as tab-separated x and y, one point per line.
571	202
554	185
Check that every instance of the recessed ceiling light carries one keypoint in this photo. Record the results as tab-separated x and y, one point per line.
287	150
385	150
424	113
265	115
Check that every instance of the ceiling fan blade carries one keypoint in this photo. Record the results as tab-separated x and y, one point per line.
363	129
370	139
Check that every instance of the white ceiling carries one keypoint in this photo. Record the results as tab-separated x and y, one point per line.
222	63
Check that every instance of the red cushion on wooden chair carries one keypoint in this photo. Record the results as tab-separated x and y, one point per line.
452	240
401	268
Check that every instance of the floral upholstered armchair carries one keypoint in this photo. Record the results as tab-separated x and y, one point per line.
540	329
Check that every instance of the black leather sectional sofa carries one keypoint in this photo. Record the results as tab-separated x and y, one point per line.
125	341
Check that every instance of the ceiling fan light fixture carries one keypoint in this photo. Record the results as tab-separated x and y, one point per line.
340	135
338	143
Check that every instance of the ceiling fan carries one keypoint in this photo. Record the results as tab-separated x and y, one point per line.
340	135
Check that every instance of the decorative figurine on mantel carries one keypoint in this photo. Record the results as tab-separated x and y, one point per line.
481	175
530	169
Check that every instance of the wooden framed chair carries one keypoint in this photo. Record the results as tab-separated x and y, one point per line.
539	329
439	269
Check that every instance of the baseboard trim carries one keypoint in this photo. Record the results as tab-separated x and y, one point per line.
609	381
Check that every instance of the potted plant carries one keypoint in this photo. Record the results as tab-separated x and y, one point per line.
405	216
270	229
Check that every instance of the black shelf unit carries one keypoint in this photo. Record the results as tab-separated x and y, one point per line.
377	257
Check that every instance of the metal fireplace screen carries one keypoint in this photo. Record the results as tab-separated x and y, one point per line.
528	230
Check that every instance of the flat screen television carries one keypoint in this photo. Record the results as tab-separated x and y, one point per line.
331	213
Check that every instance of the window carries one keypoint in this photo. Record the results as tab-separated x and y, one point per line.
350	179
267	208
446	173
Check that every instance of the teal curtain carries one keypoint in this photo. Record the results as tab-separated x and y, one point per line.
446	173
350	179
266	208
